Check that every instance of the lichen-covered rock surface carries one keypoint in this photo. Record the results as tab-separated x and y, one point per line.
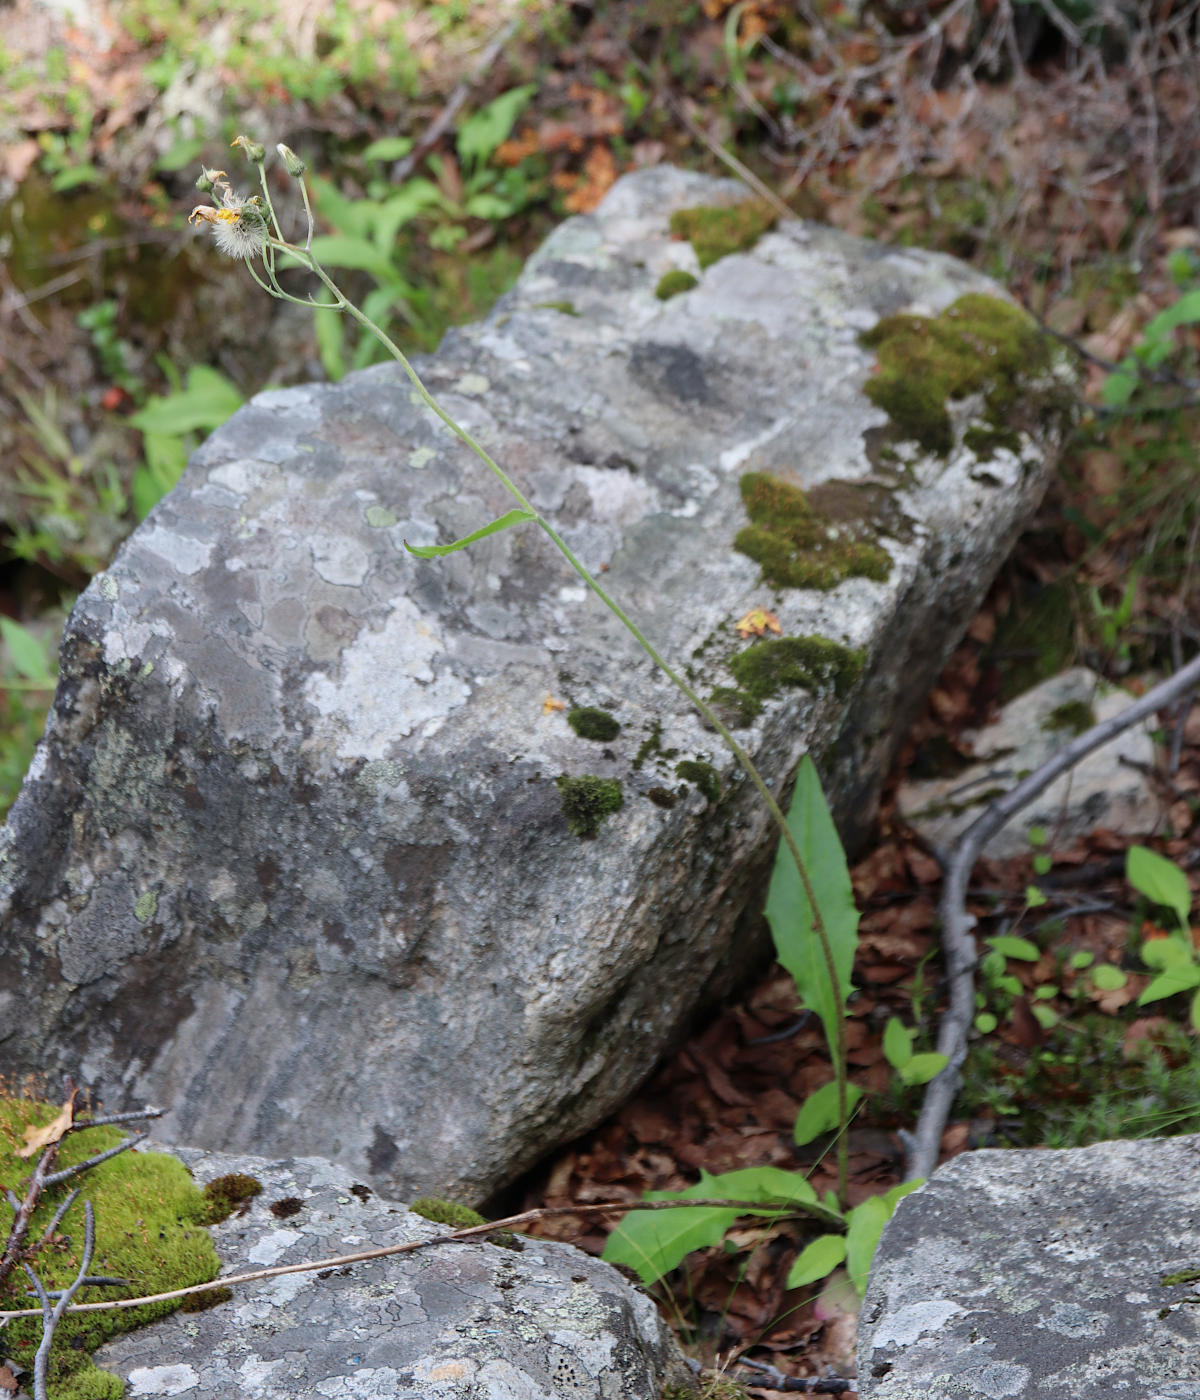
1072	1274
458	1320
311	854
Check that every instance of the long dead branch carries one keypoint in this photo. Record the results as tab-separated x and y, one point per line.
958	944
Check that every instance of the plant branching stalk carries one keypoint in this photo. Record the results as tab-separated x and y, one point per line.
343	303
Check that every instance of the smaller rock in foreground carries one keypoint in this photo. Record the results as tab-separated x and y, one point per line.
460	1320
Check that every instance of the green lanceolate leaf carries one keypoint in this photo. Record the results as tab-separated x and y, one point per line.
1160	880
25	652
817	1259
897	1043
922	1068
207	402
1180	978
862	1235
1013	947
819	1112
788	910
505	522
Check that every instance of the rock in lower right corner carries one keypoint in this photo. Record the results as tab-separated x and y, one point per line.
1070	1274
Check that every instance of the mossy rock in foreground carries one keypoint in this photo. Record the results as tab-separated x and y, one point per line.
149	1229
979	344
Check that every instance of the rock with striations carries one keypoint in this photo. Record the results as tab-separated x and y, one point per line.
1031	1273
536	1321
296	858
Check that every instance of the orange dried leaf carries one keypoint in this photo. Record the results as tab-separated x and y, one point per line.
37	1138
550	704
757	622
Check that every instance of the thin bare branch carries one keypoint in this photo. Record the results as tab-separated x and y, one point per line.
52	1317
68	1172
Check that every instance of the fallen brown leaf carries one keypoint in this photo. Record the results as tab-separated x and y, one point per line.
36	1138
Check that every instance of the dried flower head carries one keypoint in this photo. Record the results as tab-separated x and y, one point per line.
207	179
239	225
255	151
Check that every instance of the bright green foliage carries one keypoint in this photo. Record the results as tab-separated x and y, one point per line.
817	1259
28	678
438	551
819	1112
790	914
714	231
980	344
799	547
1160	880
587	801
654	1242
898	1049
149	1229
169	422
1157	345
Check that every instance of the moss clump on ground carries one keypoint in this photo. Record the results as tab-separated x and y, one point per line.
225	1194
799	547
670	284
586	801
149	1229
715	230
701	775
591	723
1077	716
812	662
980	344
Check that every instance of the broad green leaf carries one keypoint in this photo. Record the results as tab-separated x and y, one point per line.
1011	947
388	148
505	522
166	457
654	1242
345	250
897	1043
1181	978
1037	835
893	1197
816	1260
819	1112
1046	1016
26	653
1160	880
1161	953
207	401
355	217
1034	898
866	1224
489	206
1195	1012
74	177
922	1068
1010	985
1107	978
484	130
1120	384
1081	960
985	1023
413	198
788	910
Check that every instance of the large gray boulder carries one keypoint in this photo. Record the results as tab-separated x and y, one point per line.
474	1320
291	860
1072	1274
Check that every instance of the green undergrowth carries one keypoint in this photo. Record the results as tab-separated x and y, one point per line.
150	1220
978	345
798	545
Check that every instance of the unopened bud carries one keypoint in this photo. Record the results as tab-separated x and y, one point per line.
208	178
291	161
255	151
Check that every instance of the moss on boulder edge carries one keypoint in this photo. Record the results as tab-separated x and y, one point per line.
978	345
587	801
150	1219
716	230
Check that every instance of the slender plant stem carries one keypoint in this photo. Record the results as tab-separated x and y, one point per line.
304	256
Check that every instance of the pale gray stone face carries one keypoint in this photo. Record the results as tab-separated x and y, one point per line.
460	1320
1031	1273
291	861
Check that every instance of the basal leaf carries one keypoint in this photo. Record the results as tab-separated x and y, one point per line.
358	254
817	1259
25	652
207	401
1013	947
790	915
862	1235
922	1068
505	522
1180	978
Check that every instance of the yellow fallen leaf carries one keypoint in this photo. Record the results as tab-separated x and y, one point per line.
37	1138
758	621
550	704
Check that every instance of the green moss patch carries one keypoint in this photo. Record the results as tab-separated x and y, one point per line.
149	1229
460	1217
980	344
812	662
701	775
587	801
716	230
591	723
799	546
670	284
1074	716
